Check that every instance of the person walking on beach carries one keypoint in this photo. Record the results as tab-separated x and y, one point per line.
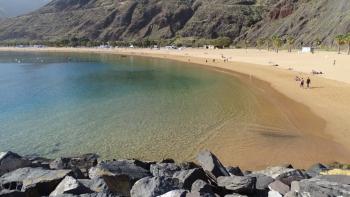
302	83
308	82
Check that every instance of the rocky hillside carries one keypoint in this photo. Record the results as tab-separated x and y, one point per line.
154	19
305	20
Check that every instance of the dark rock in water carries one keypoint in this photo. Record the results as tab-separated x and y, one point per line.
236	171
97	185
175	193
329	185
246	172
211	164
70	185
167	161
77	173
188	165
33	181
164	169
262	181
274	172
153	186
279	187
316	169
238	184
293	175
12	193
38	162
83	162
11	161
120	175
188	177
202	187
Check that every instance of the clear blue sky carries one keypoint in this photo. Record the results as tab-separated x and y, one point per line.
12	8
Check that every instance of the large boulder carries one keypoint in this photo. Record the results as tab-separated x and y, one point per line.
202	187
236	171
316	169
188	177
211	164
97	185
164	169
284	174
175	193
10	161
120	175
153	186
262	181
237	184
70	185
329	185
83	162
33	181
12	193
278	186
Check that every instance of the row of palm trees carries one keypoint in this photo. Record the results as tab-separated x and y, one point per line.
343	39
276	42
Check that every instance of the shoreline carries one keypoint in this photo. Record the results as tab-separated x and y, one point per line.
333	111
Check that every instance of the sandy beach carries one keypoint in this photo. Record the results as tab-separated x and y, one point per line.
328	98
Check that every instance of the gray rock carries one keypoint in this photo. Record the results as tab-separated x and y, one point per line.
175	193
33	181
202	187
82	162
279	187
211	164
274	194
295	186
97	185
10	161
12	193
70	185
322	186
238	184
316	169
236	171
188	177
274	172
262	181
291	194
164	169
290	176
88	195
197	194
120	175
153	186
235	195
188	165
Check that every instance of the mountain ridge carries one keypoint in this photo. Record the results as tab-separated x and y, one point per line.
156	19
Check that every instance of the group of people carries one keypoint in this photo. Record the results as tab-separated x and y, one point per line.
302	81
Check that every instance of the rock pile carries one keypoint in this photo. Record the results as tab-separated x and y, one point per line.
84	176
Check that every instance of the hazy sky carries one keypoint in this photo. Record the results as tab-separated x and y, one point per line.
12	8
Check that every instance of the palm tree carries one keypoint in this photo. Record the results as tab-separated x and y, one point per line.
340	39
277	42
290	42
268	42
260	42
347	41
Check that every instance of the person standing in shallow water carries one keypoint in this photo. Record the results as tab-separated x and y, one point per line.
308	82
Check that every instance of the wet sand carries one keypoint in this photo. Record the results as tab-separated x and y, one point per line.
318	117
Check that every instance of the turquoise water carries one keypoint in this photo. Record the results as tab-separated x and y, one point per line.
61	104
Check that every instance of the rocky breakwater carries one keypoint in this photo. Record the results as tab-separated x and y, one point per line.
85	176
